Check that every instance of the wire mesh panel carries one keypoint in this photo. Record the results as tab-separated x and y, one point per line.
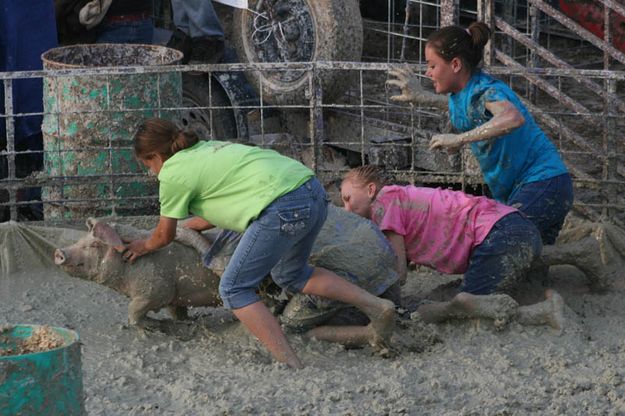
362	125
572	86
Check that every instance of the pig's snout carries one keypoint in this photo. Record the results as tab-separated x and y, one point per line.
59	257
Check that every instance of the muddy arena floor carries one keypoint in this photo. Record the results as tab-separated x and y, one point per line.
211	366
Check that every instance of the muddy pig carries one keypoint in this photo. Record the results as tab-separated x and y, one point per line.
173	277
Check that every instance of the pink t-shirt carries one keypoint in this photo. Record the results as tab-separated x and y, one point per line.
440	227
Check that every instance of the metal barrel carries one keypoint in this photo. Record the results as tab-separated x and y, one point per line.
90	120
40	383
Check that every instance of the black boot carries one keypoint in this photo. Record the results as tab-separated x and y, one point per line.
182	42
207	49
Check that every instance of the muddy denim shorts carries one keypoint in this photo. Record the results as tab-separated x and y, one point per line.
505	256
279	242
546	204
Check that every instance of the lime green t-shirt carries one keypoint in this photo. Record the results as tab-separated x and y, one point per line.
227	184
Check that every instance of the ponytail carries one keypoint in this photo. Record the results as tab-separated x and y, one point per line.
480	35
183	140
161	137
467	44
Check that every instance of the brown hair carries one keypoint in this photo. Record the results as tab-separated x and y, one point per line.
453	41
161	137
363	175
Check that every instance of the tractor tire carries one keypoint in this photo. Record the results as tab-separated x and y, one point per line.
297	31
207	123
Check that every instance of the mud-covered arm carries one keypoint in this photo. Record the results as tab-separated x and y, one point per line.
197	224
162	235
506	117
412	91
397	242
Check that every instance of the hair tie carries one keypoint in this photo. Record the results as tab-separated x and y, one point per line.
468	31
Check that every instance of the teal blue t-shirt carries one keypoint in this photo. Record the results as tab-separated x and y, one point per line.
522	156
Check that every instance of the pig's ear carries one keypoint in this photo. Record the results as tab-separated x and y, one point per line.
107	234
91	222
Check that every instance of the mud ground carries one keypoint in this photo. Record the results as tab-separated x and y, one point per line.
210	366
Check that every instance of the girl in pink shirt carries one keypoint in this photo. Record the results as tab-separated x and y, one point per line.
494	245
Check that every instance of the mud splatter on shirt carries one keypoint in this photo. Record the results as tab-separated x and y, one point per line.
440	227
522	156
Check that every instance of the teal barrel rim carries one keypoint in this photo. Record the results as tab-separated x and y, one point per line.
94	56
41	383
89	123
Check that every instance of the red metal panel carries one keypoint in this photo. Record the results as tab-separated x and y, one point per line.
589	14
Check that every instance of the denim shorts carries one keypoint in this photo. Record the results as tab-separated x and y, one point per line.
279	243
546	203
505	256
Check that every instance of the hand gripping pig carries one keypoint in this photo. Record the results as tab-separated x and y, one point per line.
173	277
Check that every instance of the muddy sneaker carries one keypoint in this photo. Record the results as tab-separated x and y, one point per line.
207	49
182	42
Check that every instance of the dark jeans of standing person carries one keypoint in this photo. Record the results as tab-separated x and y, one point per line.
199	34
132	28
546	203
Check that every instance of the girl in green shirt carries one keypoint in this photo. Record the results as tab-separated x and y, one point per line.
279	206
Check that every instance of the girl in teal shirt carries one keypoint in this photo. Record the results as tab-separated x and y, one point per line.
521	167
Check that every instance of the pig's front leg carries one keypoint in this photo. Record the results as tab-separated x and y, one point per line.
137	313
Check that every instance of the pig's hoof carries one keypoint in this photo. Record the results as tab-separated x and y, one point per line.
386	352
149	325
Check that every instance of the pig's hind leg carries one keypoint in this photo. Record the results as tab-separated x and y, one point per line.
137	316
178	313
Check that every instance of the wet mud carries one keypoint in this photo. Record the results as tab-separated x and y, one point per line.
210	365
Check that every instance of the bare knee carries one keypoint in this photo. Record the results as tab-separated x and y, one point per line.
462	300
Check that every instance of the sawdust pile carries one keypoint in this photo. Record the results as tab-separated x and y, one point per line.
42	339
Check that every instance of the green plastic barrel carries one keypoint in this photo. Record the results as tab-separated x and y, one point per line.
40	383
90	120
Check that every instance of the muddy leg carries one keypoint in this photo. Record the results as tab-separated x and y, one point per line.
346	335
381	312
584	254
264	326
500	308
549	312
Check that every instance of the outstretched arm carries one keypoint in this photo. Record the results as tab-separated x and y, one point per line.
506	117
197	224
397	242
162	235
412	91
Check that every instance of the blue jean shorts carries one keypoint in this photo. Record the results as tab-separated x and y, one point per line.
279	242
505	256
546	203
